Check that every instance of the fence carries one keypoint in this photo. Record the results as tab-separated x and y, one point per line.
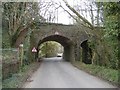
10	62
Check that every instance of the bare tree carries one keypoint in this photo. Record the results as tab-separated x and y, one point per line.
49	10
80	17
20	16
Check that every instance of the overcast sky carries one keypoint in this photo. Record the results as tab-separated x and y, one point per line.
64	17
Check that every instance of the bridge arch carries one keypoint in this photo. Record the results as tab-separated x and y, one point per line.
86	52
68	45
71	37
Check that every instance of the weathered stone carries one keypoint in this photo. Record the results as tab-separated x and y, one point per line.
69	36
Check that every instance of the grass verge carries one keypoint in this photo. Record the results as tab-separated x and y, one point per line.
0	75
107	74
17	80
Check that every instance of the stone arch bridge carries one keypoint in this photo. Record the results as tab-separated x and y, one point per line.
72	37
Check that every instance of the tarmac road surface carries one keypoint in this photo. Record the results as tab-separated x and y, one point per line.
55	73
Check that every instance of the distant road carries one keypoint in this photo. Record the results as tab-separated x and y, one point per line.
54	73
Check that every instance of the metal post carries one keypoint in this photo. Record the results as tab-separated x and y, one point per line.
21	54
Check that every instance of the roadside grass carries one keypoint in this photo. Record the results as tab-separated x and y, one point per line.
107	74
0	75
17	80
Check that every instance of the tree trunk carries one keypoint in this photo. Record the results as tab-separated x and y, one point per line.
21	37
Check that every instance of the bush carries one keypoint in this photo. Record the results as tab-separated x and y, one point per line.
108	74
18	79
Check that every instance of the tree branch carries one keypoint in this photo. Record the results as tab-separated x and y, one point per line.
74	11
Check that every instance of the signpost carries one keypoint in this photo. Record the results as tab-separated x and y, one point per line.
21	53
34	50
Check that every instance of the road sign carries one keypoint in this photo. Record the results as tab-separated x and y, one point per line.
34	49
57	33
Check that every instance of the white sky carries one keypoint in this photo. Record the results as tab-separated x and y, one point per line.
64	17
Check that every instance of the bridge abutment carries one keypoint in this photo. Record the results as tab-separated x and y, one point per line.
66	53
72	55
77	52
